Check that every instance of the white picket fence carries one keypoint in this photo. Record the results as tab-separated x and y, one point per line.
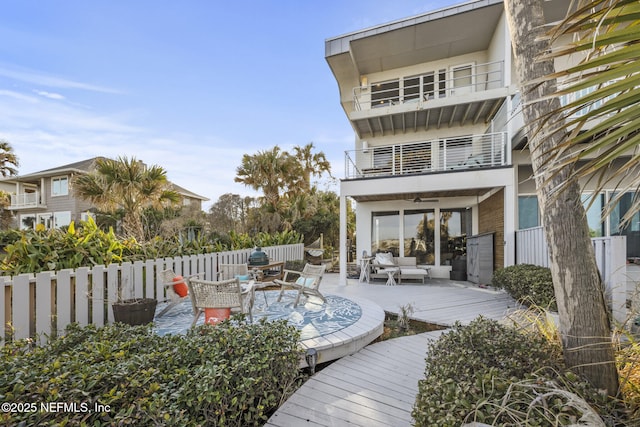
611	258
43	304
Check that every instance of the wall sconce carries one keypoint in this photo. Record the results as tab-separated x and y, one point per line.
365	146
364	81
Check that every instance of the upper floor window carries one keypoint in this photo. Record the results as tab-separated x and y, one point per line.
60	186
385	93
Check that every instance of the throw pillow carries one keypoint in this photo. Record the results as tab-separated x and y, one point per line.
385	258
243	278
305	281
180	286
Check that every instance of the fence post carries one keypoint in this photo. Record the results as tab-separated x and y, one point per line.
44	301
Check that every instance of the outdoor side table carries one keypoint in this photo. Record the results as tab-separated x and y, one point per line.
391	273
364	269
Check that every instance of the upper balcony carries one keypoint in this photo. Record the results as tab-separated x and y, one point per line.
463	94
26	201
451	154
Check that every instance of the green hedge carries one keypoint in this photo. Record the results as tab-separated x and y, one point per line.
530	284
490	373
233	374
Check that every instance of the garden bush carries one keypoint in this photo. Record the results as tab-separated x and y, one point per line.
494	374
233	374
530	284
33	251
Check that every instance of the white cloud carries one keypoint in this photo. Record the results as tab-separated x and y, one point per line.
49	95
43	79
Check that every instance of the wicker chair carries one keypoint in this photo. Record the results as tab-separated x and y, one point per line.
220	294
173	298
306	282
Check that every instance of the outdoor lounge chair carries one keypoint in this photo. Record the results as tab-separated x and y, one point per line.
168	279
220	294
306	282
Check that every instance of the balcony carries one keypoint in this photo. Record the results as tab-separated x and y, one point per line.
439	155
460	95
25	200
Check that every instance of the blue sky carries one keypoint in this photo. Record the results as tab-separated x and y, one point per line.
187	85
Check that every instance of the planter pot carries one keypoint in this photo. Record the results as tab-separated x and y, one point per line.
139	311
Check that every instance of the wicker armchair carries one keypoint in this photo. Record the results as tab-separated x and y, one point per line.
220	294
168	280
306	282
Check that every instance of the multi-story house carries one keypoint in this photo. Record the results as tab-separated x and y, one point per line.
46	197
440	153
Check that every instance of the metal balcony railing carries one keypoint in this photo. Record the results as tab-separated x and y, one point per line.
25	200
419	89
458	153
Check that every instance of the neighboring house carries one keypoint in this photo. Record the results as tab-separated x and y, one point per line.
46	197
439	147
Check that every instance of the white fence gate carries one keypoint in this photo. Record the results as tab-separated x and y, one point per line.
43	304
611	258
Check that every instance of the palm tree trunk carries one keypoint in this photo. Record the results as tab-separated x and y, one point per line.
584	321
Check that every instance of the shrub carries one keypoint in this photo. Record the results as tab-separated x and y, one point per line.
530	284
233	374
490	373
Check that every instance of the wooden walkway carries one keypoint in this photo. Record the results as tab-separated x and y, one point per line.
377	385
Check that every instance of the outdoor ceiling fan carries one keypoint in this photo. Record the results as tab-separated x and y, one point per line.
418	199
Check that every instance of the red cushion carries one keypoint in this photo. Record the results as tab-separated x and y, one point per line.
180	288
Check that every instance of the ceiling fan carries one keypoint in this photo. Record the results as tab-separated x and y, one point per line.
418	199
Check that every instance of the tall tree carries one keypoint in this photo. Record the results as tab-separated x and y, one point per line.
8	159
127	184
584	323
285	181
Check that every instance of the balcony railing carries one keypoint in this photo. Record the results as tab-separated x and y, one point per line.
438	155
25	200
419	89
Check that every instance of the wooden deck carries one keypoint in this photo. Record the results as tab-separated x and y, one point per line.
377	385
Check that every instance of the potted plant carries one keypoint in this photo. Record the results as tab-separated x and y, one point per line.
133	311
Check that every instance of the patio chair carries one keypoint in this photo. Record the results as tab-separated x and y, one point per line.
220	294
174	286
306	282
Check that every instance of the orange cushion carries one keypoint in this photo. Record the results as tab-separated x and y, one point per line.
180	288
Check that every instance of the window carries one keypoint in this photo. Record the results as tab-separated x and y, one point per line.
45	219
60	186
462	79
27	222
419	235
84	216
383	157
594	214
528	213
385	229
385	93
455	225
61	219
411	89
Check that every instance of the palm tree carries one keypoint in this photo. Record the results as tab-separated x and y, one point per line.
8	159
311	164
126	184
607	35
584	323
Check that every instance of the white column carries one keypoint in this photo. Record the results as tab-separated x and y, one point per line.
343	240
510	201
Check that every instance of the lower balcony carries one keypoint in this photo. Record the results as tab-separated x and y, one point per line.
459	153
